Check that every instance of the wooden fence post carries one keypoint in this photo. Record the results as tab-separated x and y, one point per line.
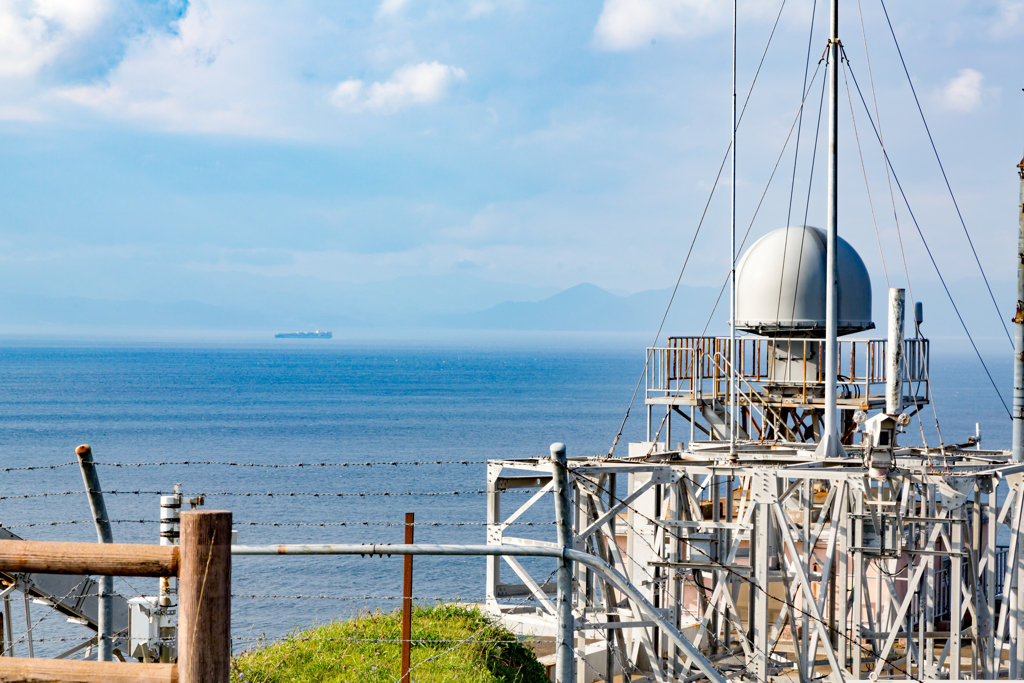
204	600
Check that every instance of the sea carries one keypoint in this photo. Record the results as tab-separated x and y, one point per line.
147	407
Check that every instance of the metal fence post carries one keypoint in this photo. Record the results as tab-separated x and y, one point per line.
565	657
104	635
410	520
204	597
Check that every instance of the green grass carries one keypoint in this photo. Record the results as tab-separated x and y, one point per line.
359	652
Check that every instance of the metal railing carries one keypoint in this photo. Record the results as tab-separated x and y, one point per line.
943	578
688	367
746	392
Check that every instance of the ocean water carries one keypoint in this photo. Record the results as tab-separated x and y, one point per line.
336	403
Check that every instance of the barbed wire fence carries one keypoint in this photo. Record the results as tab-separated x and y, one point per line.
130	496
308	501
306	497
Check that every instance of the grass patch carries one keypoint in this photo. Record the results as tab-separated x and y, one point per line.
359	651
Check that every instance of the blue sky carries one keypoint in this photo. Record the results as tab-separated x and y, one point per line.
167	150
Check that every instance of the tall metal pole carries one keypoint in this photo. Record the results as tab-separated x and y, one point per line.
829	447
410	521
1018	342
733	361
565	660
106	583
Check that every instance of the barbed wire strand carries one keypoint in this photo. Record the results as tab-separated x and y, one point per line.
266	494
280	524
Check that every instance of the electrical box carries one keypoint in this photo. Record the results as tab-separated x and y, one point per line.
148	622
880	434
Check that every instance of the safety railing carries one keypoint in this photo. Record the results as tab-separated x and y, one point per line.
687	368
943	579
747	393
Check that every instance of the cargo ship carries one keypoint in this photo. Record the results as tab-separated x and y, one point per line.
303	335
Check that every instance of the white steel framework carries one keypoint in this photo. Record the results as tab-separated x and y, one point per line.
781	564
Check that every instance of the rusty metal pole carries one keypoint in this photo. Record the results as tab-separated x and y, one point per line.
565	657
105	584
204	597
1018	332
410	519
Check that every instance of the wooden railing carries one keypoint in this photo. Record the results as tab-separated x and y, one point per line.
202	564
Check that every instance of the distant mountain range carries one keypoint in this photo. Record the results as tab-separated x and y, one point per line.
456	301
587	307
584	307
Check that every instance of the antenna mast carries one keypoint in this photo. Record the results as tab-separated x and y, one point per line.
733	360
1018	345
829	446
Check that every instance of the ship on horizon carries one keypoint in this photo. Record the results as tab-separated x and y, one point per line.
303	335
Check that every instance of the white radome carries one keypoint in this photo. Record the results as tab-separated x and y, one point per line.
780	285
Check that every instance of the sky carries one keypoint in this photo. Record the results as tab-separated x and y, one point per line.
224	150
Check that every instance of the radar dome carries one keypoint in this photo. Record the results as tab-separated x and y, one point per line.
780	285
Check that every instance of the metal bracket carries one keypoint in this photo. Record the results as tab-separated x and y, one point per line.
762	489
953	491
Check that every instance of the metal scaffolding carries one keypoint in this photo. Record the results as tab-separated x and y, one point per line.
781	564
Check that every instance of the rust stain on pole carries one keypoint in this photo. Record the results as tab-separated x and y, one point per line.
410	518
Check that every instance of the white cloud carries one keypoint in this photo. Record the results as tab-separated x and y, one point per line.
422	83
1010	19
963	93
347	94
630	24
233	67
226	69
391	7
33	35
76	39
481	8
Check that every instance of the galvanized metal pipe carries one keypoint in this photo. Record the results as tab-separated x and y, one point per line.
1018	334
733	362
28	626
8	621
601	567
105	583
829	447
894	351
565	657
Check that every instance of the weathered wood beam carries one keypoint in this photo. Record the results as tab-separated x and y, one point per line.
16	669
107	559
